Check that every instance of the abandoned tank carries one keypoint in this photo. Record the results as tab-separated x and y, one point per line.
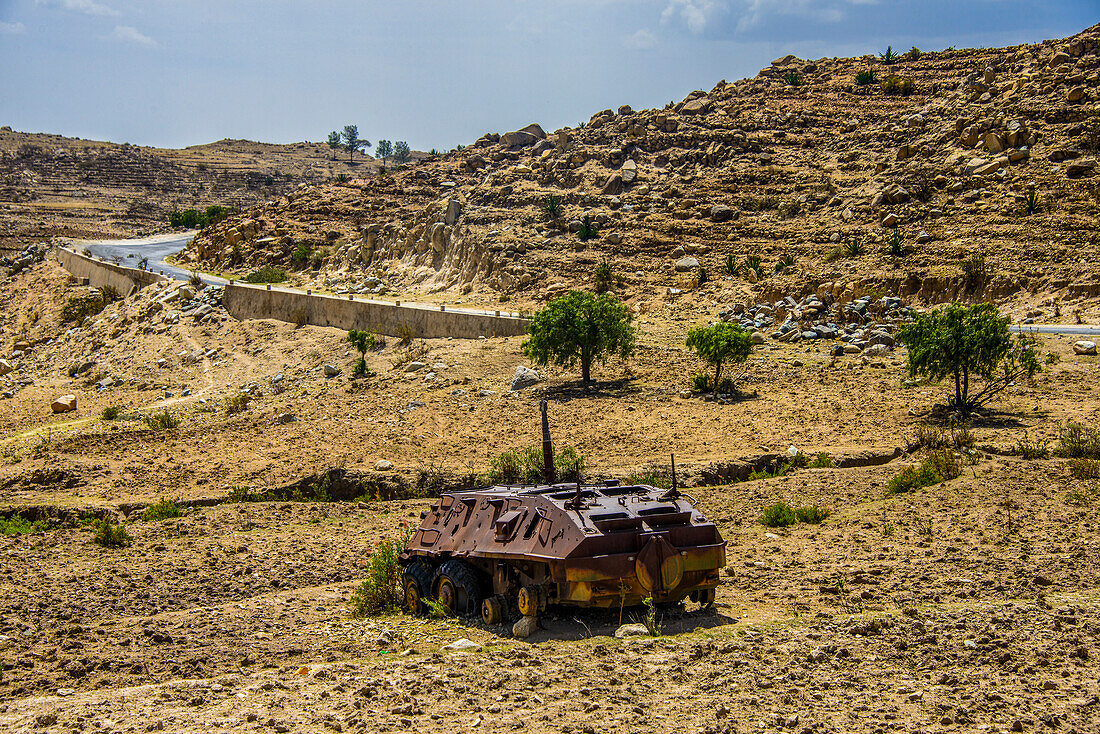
492	550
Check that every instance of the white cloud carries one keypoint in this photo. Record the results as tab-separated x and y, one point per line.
642	40
129	34
825	11
88	7
11	29
695	14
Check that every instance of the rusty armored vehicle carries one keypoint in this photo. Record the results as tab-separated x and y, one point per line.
490	551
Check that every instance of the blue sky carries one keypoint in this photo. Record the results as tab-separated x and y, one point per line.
435	72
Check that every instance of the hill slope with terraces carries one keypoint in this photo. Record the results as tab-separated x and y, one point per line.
791	166
56	186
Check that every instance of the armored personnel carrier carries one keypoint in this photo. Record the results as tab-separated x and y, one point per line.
492	550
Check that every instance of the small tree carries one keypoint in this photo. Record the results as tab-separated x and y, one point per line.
384	149
401	152
334	143
961	341
580	327
718	344
352	141
363	340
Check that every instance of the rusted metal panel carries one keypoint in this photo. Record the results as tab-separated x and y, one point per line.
596	544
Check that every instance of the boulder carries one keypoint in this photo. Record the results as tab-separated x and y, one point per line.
891	220
720	213
697	106
525	627
331	370
1080	167
631	630
64	404
1084	347
383	465
518	139
524	377
686	264
452	212
629	171
534	129
5	367
614	185
757	338
1075	95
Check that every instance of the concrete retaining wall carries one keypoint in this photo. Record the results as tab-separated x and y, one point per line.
257	302
99	273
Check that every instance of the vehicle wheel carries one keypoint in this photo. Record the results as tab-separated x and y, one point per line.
706	598
416	585
458	589
492	610
528	601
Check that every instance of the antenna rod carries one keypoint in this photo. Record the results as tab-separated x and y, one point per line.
549	473
674	490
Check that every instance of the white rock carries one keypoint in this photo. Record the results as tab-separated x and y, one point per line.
415	366
462	644
686	264
1084	347
524	377
383	465
331	370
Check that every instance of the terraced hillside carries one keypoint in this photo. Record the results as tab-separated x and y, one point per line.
856	187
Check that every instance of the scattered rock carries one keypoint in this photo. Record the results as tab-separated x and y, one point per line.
331	370
631	630
462	644
1084	347
524	377
525	627
686	264
383	465
5	367
64	404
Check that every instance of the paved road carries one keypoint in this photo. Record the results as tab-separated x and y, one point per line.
1071	329
156	248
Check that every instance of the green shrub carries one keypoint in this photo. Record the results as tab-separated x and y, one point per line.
974	269
551	205
266	274
16	525
1031	450
242	494
792	79
784	262
603	276
941	465
865	77
701	382
378	593
1031	201
913	54
237	403
896	244
1077	441
1080	468
110	535
109	413
162	509
812	514
853	247
525	466
896	85
730	265
752	262
888	56
1082	496
588	229
162	421
822	461
192	218
945	464
779	515
300	255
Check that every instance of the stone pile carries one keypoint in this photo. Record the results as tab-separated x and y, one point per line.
24	259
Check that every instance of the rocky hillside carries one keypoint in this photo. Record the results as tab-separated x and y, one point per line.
51	185
885	185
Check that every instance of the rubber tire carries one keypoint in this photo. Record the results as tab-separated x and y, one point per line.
421	574
467	586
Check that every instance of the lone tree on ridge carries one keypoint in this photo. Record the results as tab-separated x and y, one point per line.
352	141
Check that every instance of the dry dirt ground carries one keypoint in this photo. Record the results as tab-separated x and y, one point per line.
967	606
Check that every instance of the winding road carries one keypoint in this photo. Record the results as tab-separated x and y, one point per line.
156	248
